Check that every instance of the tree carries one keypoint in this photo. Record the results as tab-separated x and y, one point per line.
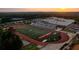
54	37
6	19
77	19
10	41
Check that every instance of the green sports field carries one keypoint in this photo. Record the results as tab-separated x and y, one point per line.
32	32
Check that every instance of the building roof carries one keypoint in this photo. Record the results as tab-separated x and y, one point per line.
43	24
59	21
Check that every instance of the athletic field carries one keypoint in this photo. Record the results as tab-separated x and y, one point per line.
32	32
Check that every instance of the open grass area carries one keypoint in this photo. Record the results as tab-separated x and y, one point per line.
32	32
54	37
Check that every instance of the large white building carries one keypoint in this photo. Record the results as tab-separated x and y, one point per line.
43	24
59	21
51	22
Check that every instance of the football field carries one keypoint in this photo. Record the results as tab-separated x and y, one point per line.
32	32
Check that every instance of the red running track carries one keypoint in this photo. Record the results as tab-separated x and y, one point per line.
64	38
24	37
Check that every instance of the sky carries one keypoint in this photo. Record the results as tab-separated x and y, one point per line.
39	9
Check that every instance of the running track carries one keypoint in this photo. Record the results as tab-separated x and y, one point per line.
64	38
24	37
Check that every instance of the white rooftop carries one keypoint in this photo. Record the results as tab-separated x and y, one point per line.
59	21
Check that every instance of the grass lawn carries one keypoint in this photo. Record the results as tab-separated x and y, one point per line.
53	37
32	32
